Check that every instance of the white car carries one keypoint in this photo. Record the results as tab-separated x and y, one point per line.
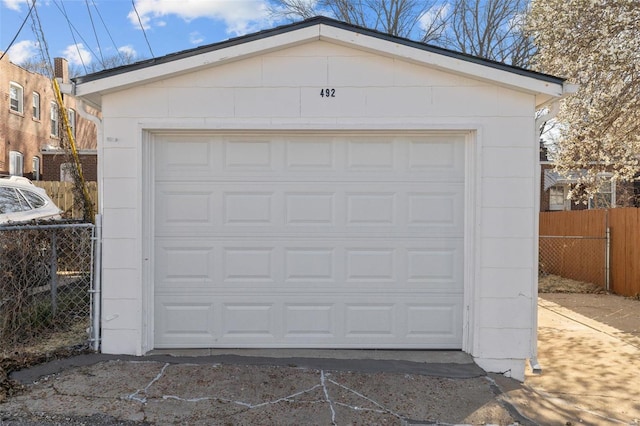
21	201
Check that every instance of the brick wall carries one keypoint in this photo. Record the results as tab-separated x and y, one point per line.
51	163
28	134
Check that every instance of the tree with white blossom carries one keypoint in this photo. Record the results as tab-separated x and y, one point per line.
596	44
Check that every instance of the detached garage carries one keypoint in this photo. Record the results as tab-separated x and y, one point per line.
320	185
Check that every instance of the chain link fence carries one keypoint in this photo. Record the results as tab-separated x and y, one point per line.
576	257
46	281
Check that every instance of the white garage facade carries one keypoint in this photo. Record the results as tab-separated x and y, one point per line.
320	185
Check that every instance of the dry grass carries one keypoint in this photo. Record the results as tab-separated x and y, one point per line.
56	345
556	284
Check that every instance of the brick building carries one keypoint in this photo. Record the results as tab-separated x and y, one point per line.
31	132
554	190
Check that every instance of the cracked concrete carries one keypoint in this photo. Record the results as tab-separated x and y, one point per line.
590	376
179	392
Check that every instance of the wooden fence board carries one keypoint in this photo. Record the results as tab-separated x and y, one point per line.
61	193
571	261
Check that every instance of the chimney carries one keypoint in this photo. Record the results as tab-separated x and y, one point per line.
61	69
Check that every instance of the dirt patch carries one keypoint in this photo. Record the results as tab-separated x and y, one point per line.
556	284
58	345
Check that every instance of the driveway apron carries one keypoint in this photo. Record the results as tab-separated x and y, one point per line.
590	371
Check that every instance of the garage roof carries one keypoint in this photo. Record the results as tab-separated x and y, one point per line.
92	86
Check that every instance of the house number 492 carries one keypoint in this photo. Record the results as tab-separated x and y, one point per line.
328	93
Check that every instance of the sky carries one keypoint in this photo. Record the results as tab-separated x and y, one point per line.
86	32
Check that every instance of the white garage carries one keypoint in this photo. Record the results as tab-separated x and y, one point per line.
320	185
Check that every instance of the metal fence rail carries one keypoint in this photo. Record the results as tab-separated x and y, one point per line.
46	282
579	258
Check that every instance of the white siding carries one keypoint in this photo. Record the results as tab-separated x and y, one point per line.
281	91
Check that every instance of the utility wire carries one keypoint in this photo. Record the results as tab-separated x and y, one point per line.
86	45
36	27
107	29
95	33
142	27
19	30
71	28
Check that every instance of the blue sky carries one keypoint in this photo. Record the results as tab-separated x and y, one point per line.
106	27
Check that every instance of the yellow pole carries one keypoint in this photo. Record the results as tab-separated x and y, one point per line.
74	152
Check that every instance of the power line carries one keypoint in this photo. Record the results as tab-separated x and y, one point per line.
142	27
63	10
36	27
107	29
19	30
75	42
95	33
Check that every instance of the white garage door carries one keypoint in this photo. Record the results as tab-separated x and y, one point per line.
352	241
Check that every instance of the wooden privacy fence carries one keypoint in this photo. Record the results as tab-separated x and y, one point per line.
61	193
574	245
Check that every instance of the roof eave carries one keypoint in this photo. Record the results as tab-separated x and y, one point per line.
546	88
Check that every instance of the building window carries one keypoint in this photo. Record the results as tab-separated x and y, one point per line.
606	195
36	106
72	122
16	164
66	172
558	198
16	95
35	163
54	119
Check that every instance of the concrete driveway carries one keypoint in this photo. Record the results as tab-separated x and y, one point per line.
591	369
590	376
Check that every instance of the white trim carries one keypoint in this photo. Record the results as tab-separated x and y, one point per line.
441	62
195	62
545	91
147	221
35	107
565	203
471	225
53	107
20	97
472	221
16	163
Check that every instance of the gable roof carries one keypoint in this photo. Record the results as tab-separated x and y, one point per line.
91	86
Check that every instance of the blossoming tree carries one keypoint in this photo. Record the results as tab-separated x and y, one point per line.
595	43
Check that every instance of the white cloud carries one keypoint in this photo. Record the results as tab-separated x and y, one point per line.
128	51
195	37
429	20
23	50
14	4
239	16
77	54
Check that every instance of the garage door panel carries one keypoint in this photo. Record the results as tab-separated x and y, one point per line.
210	208
195	207
269	265
303	320
177	154
249	320
426	158
434	320
333	240
184	319
181	265
291	321
248	208
310	155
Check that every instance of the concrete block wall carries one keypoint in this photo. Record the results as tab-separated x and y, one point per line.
280	90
